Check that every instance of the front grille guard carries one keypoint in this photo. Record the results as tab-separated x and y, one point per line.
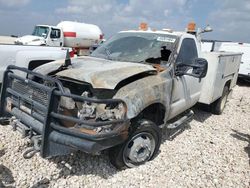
50	120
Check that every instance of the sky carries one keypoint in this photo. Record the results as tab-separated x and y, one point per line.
230	19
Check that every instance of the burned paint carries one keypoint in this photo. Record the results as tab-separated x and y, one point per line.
142	93
137	94
99	73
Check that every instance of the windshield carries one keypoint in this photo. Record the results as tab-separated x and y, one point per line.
41	31
136	47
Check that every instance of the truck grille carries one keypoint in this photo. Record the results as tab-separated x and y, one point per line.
31	92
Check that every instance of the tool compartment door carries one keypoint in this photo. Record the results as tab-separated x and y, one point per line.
222	67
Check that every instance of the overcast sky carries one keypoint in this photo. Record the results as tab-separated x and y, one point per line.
230	19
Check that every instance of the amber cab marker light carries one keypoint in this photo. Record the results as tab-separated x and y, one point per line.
191	27
143	26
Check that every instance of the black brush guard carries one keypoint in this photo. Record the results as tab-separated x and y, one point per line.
40	120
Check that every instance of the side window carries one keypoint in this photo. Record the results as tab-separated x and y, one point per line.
55	33
188	51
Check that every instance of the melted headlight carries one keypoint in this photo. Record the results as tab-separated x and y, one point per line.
92	112
111	113
100	112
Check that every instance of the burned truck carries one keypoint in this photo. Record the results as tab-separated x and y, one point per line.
120	99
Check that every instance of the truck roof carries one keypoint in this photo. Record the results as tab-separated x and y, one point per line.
174	33
45	25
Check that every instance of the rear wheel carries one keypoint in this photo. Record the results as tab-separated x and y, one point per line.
141	146
218	106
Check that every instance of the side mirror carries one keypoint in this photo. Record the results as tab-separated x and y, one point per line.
207	29
198	68
44	35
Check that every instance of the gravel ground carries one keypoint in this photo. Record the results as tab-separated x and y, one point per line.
213	152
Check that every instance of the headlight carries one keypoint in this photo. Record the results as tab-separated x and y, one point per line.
108	112
92	112
101	112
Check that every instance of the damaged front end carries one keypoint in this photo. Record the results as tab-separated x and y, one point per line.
58	121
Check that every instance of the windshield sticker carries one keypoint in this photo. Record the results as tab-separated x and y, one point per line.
165	39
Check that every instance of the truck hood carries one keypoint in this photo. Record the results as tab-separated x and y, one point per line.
100	73
28	39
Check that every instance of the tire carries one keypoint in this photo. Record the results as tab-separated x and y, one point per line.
142	145
218	106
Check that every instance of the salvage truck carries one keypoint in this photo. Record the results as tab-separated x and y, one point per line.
135	86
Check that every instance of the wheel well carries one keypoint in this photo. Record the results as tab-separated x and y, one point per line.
155	113
228	83
36	63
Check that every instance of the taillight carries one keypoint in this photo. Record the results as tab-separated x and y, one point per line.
101	36
72	53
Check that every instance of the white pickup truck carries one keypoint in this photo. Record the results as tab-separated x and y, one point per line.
28	56
133	87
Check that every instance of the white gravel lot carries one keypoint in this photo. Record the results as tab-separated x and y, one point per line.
213	152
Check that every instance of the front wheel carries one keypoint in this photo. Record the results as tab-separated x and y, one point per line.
218	106
141	146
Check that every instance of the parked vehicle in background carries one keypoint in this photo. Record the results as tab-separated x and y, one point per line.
244	48
79	36
244	71
211	45
134	87
29	57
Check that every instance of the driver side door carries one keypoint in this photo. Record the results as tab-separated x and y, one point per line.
55	38
186	88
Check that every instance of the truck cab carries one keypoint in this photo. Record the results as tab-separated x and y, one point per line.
43	35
